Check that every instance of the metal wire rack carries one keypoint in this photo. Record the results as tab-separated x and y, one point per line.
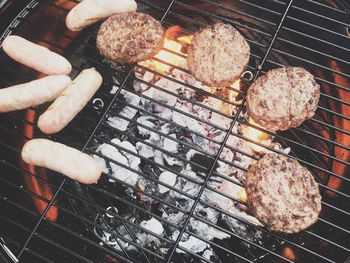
307	33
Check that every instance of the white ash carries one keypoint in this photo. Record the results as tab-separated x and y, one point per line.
206	231
143	238
189	79
147	121
207	254
278	147
235	223
122	157
192	244
171	145
174	218
155	227
144	149
192	189
211	116
185	121
241	161
175	235
161	96
167	178
113	241
102	162
241	214
114	90
215	199
170	160
166	114
128	112
159	158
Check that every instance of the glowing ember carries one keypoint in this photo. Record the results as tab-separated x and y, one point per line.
288	252
256	136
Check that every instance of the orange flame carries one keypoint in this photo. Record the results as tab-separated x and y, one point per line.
228	108
289	253
33	184
242	195
341	153
186	39
175	58
256	136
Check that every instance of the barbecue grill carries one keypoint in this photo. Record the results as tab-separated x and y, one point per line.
157	119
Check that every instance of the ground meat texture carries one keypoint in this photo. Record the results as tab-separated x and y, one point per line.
218	55
283	98
282	194
130	37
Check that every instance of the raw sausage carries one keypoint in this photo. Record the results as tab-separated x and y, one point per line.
35	56
63	159
32	93
72	100
90	11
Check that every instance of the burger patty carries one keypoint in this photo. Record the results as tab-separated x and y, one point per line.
283	98
130	37
218	55
282	194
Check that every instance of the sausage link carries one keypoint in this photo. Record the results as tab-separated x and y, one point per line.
32	93
63	159
35	56
72	100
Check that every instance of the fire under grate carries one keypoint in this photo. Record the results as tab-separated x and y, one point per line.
175	151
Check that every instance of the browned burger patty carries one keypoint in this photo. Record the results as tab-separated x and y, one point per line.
130	37
283	98
218	55
282	194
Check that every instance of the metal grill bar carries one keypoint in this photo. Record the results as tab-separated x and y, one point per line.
319	15
326	6
279	38
180	142
64	180
230	21
172	251
54	243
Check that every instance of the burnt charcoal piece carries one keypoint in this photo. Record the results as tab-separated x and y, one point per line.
203	163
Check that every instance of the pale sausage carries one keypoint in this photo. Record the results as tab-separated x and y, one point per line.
90	11
63	159
32	93
72	100
35	56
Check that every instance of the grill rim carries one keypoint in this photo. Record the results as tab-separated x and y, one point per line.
60	187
